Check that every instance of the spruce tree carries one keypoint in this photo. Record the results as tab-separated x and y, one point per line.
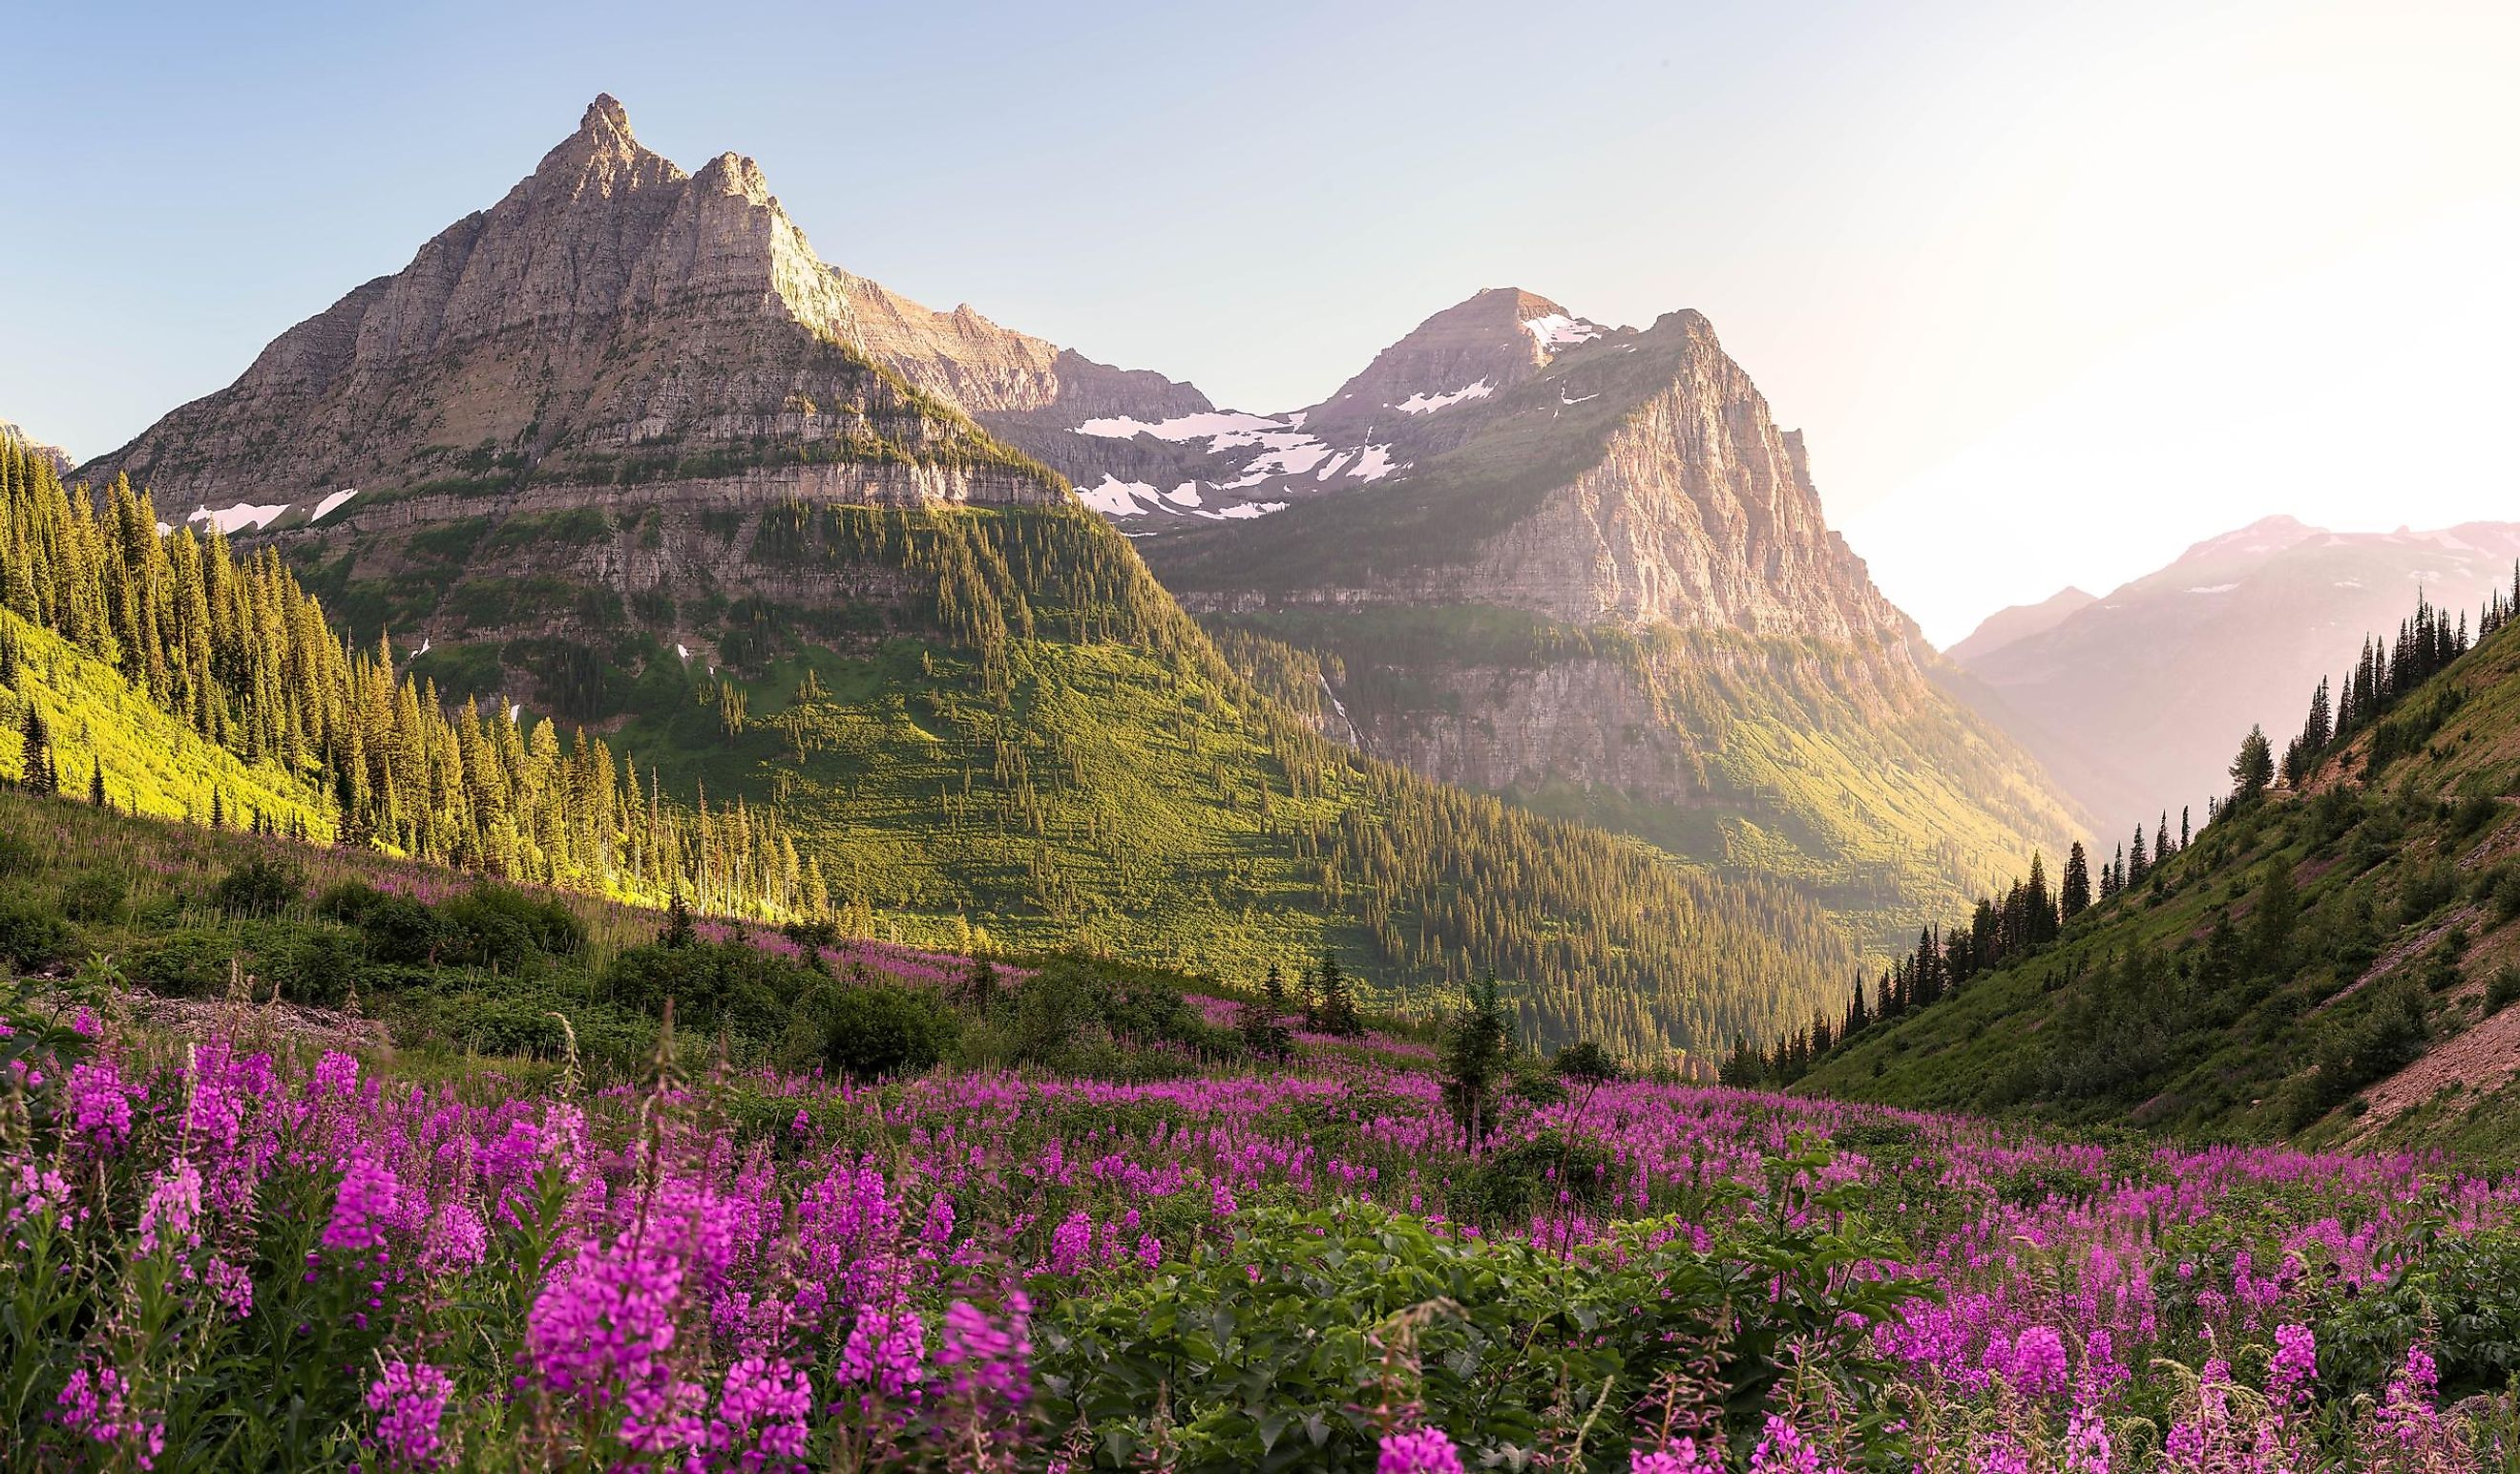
677	930
41	777
1477	1044
1339	1013
2076	896
2254	768
96	782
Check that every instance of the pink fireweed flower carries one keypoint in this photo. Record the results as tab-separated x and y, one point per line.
1417	1450
1070	1243
1782	1449
456	1240
604	1332
364	1206
1680	1456
885	1351
174	1206
100	1105
92	1405
409	1399
990	1360
2293	1366
761	1414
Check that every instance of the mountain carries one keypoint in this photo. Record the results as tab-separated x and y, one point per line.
2019	622
622	450
2134	698
1597	578
57	458
2334	960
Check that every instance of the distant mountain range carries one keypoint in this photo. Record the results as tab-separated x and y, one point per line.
2137	698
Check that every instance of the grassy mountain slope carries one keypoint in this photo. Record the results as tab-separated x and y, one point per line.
152	762
988	723
2336	962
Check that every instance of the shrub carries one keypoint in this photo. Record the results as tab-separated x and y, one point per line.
195	962
713	985
99	896
32	934
867	1033
2503	990
264	885
500	926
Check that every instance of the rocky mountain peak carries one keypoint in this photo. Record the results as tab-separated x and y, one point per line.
1469	351
605	116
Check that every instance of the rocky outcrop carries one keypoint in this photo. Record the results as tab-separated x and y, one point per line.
11	430
611	321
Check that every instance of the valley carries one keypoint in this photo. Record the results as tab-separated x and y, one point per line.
633	851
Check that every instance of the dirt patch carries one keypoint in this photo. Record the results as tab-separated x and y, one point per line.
264	1024
2480	1060
2390	961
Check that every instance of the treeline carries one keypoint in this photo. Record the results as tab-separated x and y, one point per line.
2026	917
2385	673
240	652
1611	942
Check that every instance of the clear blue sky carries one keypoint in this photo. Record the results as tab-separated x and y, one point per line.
2053	290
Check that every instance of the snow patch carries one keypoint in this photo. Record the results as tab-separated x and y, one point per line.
1555	331
234	519
1375	464
2215	589
423	648
1422	403
1248	510
685	651
324	508
513	708
1578	399
1183	495
1213	424
1114	497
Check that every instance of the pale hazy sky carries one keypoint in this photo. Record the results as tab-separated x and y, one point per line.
2053	290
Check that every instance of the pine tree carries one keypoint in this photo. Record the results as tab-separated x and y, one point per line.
2076	895
39	775
678	931
1338	1013
96	782
2254	768
1478	1043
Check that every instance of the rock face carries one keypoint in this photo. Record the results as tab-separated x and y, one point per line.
1606	584
2140	698
614	321
11	430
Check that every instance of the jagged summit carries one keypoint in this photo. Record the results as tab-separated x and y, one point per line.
604	115
613	318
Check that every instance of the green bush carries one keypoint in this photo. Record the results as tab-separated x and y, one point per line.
263	886
98	897
32	934
867	1033
194	962
713	985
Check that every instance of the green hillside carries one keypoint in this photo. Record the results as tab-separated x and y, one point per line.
2334	959
989	725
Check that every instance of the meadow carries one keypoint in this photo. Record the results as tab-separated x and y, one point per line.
246	1249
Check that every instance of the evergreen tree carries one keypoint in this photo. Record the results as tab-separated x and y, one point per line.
1338	1013
96	782
1274	999
2139	863
2253	769
39	776
1478	1044
677	930
2076	895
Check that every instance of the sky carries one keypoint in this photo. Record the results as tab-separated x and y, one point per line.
2052	290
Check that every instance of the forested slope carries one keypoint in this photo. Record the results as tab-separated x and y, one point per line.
2334	954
